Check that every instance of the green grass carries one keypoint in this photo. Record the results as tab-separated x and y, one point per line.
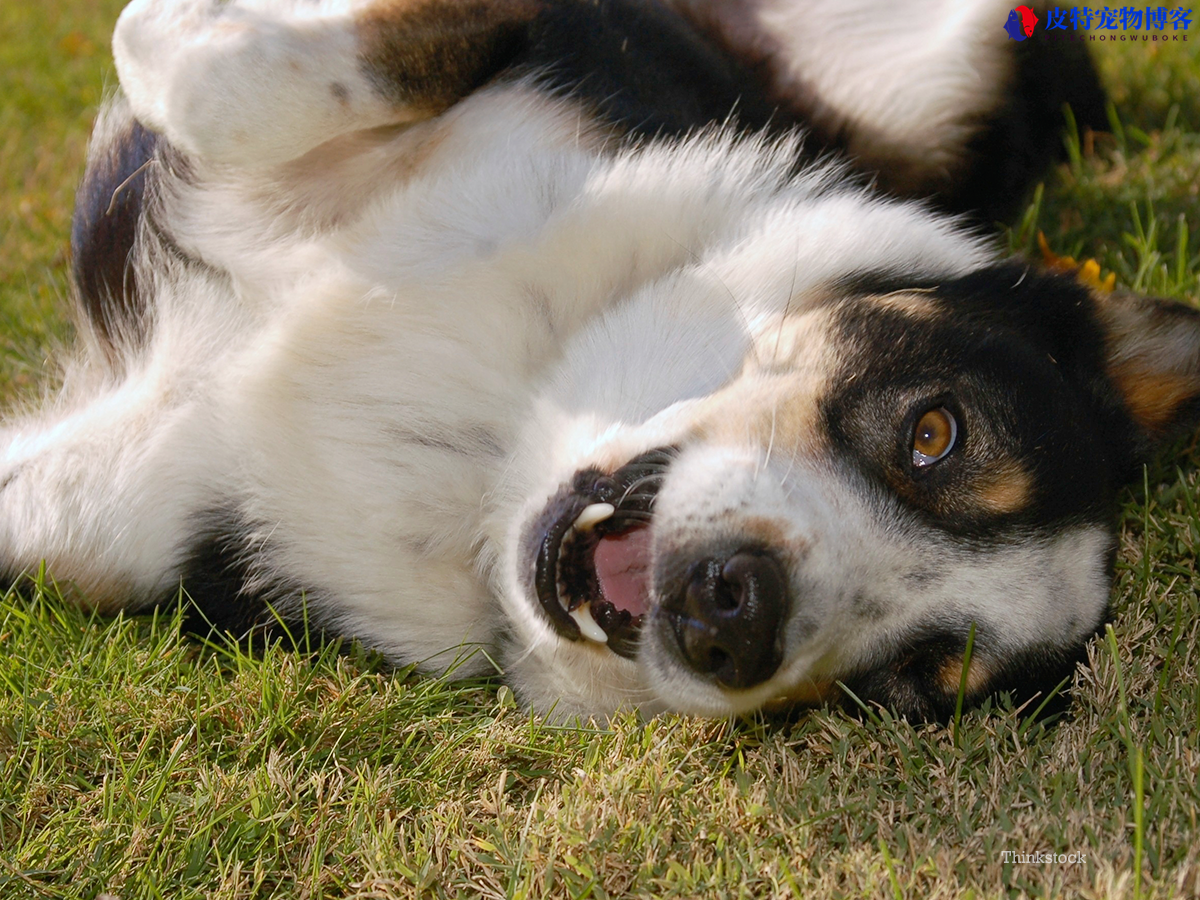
139	764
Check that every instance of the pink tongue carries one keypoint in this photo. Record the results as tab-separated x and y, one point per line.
623	569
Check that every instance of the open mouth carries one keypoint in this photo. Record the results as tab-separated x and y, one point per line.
592	569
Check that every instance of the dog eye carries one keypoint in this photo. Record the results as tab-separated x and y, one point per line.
934	437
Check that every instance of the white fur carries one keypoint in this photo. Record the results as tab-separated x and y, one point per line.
908	76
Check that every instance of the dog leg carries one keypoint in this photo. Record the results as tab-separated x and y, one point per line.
106	488
257	84
243	84
932	95
104	483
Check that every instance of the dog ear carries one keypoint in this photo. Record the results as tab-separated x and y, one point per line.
1152	356
427	55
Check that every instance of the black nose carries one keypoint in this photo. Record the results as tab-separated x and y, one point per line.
727	617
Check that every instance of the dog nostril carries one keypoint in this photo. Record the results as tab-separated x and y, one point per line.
718	659
728	615
707	589
727	596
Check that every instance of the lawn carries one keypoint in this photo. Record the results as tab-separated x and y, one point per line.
137	763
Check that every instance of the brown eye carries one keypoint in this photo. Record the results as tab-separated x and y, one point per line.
934	437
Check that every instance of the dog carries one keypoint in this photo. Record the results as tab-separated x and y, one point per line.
607	342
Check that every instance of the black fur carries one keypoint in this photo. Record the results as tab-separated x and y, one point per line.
645	69
1015	143
104	232
911	683
222	596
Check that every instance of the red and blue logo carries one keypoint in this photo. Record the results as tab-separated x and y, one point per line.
1021	22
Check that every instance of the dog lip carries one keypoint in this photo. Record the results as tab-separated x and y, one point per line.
545	578
631	491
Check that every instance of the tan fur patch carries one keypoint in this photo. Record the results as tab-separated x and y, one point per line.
1153	397
331	184
1008	488
809	693
917	304
772	533
774	415
773	402
1152	355
950	676
799	341
428	54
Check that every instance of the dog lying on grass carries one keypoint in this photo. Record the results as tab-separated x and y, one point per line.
596	339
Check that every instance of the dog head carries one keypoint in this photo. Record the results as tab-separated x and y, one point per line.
894	466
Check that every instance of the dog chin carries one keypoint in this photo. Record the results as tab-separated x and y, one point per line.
567	680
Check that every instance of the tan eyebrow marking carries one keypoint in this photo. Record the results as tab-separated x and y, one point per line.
1006	488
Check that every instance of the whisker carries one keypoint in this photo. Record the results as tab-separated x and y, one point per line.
640	482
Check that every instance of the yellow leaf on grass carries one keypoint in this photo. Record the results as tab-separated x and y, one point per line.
1088	272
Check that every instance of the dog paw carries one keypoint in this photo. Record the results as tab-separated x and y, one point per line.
245	85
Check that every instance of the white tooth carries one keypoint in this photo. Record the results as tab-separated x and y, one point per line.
583	618
593	515
562	594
